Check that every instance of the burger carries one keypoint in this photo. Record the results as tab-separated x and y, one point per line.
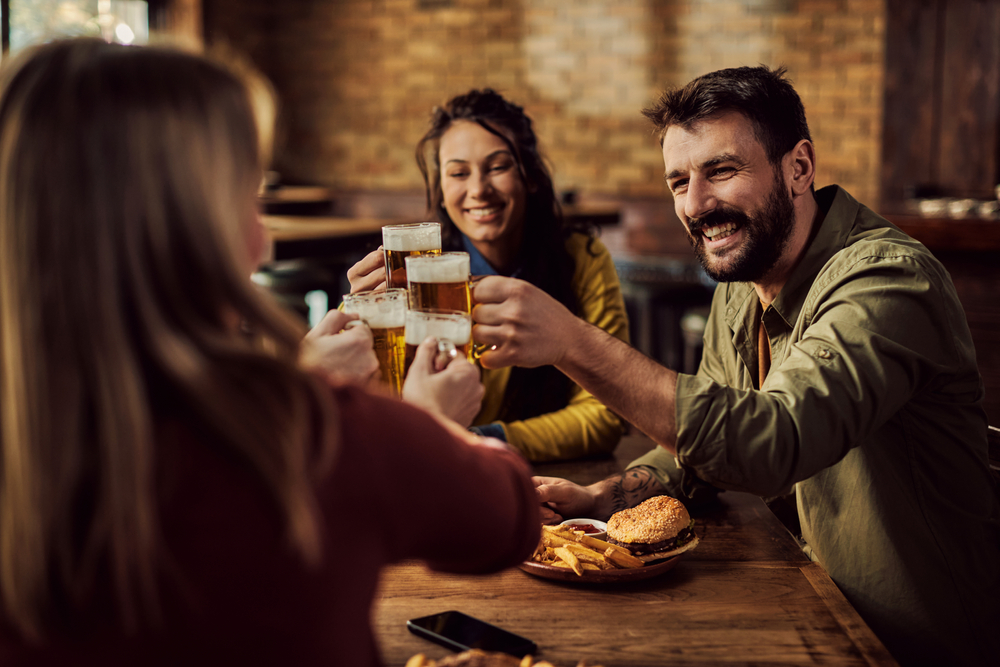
655	529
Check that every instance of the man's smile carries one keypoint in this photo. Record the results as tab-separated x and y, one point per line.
719	232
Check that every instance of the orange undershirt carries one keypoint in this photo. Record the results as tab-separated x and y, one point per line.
763	348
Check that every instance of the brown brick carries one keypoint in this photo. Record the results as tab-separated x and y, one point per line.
358	79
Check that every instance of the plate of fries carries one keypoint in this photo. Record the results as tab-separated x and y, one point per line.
477	657
572	555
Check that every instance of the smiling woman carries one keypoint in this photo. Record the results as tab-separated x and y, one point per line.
488	185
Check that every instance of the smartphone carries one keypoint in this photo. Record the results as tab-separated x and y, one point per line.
461	632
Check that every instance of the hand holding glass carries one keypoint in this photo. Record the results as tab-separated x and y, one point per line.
439	282
402	241
451	328
385	314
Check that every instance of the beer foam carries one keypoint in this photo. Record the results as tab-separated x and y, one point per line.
410	238
380	311
420	325
385	318
450	267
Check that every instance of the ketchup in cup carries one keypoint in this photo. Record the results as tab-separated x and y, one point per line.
585	527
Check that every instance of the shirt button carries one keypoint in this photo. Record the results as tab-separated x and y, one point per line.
824	354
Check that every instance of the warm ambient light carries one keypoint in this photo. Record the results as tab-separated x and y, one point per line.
124	33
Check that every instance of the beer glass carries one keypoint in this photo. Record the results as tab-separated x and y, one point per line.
452	328
402	241
439	282
385	314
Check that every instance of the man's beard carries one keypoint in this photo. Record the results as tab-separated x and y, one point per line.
765	236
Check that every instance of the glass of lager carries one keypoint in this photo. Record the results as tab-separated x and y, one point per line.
452	328
385	314
402	241
439	282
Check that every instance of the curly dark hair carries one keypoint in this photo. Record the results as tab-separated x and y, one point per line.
545	261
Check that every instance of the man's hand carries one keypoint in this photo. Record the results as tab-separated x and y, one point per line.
368	273
562	499
520	324
341	356
454	392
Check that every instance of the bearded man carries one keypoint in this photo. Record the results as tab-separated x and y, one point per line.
837	363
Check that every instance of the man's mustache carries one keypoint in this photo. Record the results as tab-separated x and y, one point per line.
719	216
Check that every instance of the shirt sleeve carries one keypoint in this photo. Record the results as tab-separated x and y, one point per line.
461	507
877	327
677	482
585	427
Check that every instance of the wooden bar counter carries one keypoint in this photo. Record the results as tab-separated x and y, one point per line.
746	595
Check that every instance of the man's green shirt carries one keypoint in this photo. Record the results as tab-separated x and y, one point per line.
872	413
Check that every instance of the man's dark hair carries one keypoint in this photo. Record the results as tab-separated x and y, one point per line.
764	96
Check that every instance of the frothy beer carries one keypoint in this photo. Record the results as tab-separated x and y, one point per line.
385	314
402	241
444	325
439	282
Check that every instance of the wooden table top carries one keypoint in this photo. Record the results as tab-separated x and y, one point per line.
746	595
296	194
301	227
322	237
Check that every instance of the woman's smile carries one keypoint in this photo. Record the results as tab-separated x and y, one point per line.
483	191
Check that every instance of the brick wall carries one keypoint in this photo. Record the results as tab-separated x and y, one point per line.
358	79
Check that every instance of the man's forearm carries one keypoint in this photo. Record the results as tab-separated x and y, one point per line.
634	386
628	489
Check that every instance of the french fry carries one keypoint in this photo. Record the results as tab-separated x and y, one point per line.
623	560
561	546
569	557
586	555
601	545
559	533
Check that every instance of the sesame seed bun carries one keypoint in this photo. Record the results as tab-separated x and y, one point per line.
657	528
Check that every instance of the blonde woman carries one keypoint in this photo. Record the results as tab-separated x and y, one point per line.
174	489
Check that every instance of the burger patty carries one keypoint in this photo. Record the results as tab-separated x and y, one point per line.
642	548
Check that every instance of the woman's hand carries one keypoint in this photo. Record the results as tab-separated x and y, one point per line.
342	356
454	392
368	273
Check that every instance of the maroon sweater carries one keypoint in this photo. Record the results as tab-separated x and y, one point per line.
402	487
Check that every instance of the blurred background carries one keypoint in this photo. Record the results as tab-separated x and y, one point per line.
902	97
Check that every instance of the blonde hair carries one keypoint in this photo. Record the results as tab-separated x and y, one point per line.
127	181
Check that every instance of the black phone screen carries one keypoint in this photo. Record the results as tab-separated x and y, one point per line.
461	632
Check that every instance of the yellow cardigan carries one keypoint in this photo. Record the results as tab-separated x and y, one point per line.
585	427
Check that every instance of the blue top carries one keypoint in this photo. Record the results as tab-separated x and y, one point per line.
479	265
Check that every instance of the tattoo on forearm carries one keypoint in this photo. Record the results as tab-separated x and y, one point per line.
632	487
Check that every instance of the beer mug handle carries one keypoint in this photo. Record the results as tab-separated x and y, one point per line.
446	352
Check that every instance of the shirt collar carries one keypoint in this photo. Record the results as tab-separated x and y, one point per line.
837	211
479	266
